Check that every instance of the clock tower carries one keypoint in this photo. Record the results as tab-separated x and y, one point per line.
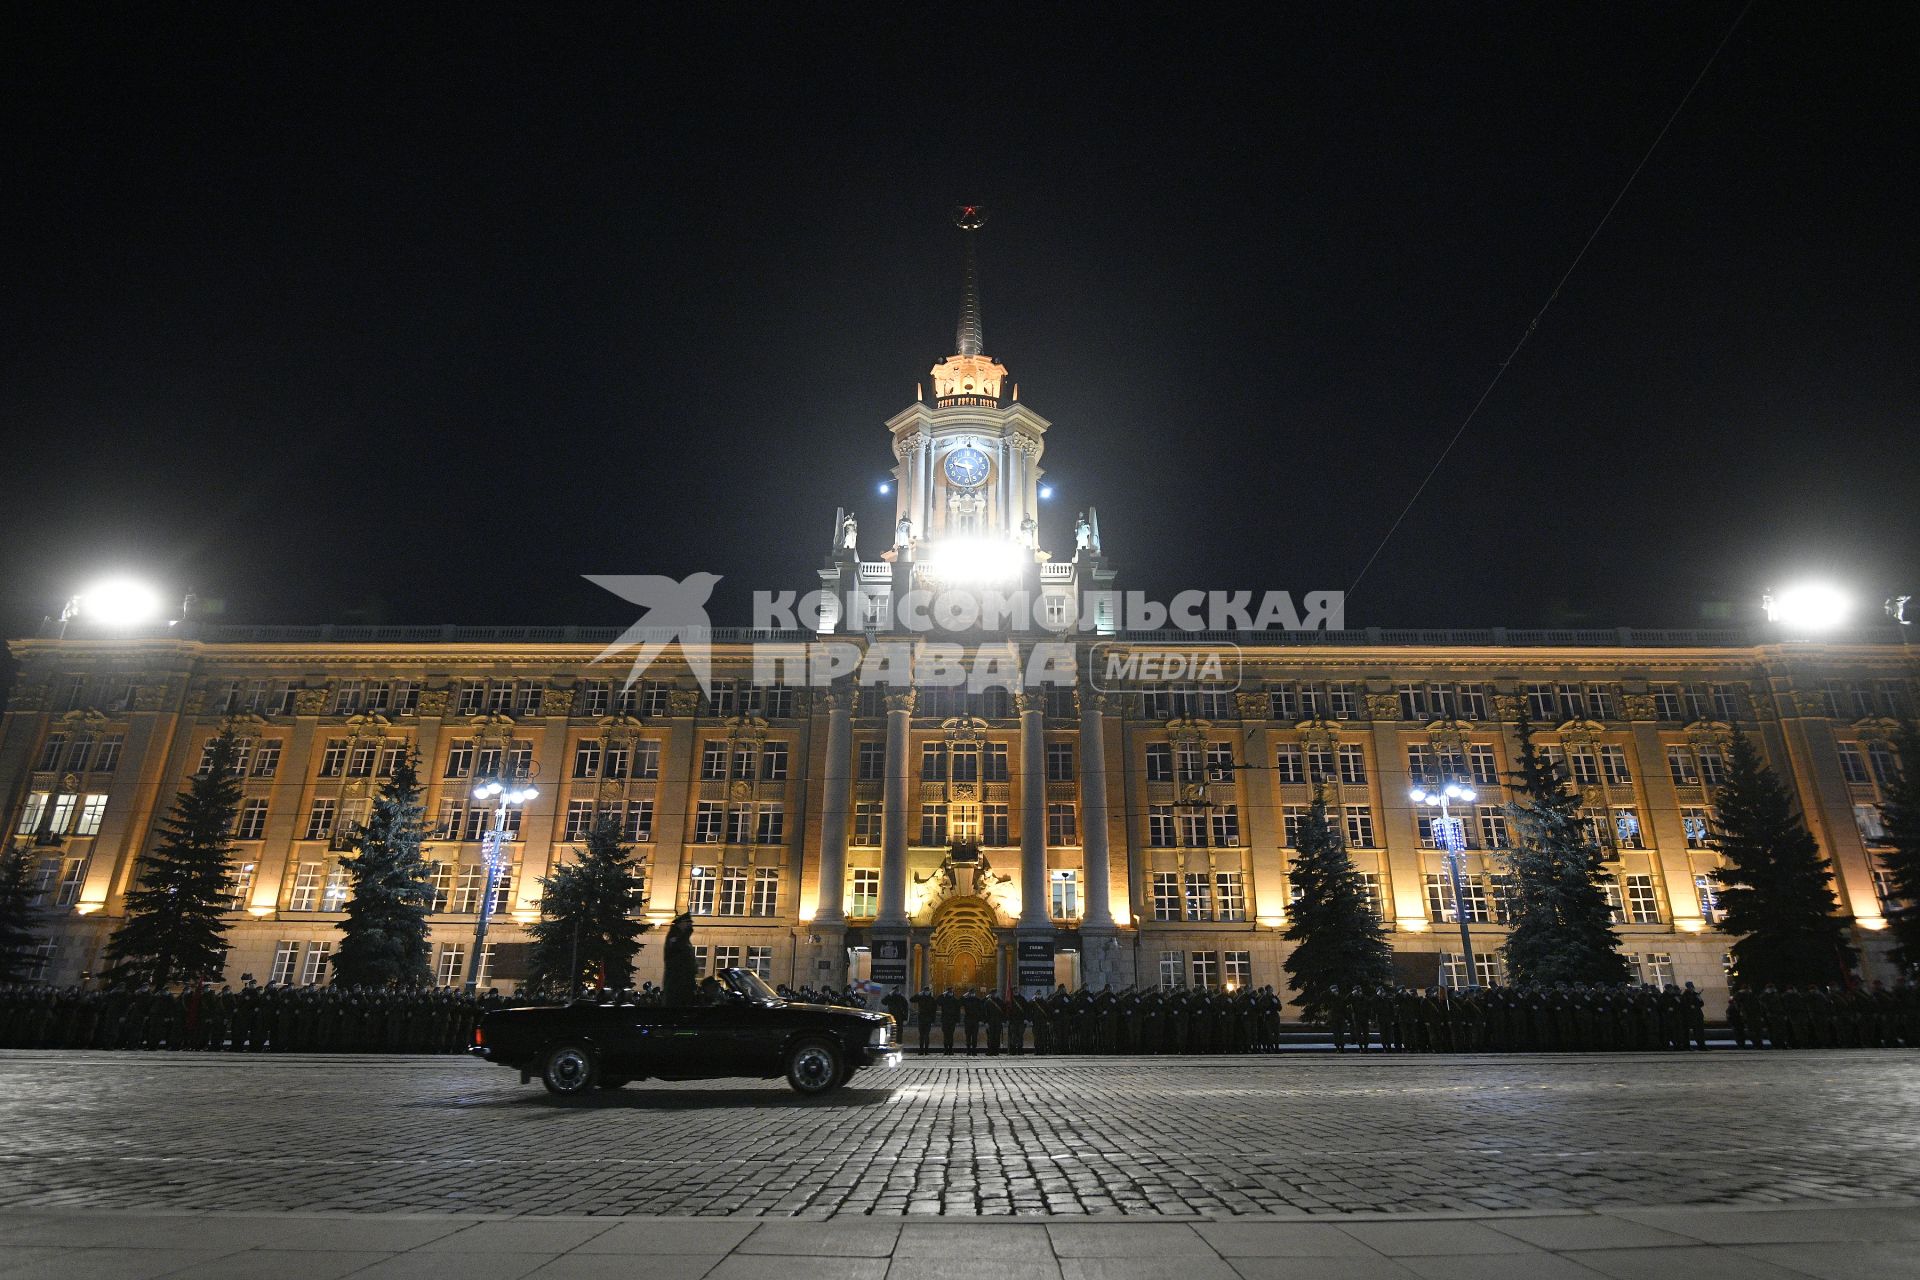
967	484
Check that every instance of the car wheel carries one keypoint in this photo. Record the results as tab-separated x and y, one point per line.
570	1070
813	1067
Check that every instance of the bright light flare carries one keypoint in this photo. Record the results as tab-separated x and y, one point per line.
118	602
976	560
1809	606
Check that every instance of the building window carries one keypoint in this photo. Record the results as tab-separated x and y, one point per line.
1226	826
1199	896
1655	968
1643	906
1166	895
700	891
1238	970
586	760
579	820
1853	767
1065	894
1613	766
1160	826
1231	895
1360	825
305	895
1353	764
1062	829
1453	973
713	762
1060	762
286	959
706	822
1682	768
1292	818
725	958
773	762
866	825
872	761
1586	768
933	824
770	826
760	962
314	970
1287	763
1493	828
320	820
333	760
638	827
993	825
1159	762
1206	969
733	892
453	963
1173	969
240	882
766	891
866	893
338	888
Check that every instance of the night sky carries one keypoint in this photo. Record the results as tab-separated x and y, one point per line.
417	313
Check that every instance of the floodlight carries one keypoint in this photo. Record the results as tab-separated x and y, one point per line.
117	602
1809	606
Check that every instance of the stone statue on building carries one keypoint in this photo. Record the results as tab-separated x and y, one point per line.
681	967
849	532
903	532
1082	534
1029	530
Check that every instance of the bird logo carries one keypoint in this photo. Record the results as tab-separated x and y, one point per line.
675	613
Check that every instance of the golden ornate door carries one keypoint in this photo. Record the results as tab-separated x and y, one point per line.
965	945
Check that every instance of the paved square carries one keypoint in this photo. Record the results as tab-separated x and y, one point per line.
1219	1137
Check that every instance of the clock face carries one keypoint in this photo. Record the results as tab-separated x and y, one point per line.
966	466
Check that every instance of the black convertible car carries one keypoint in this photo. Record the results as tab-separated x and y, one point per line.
748	1031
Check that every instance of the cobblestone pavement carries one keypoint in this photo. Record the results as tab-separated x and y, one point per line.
1146	1136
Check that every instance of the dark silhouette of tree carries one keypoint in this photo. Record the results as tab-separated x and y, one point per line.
175	928
1778	896
1561	924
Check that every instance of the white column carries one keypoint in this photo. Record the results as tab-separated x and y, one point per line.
893	818
1093	812
830	909
1033	813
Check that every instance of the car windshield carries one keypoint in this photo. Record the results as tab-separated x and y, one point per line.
749	985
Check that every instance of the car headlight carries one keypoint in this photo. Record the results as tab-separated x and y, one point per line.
881	1036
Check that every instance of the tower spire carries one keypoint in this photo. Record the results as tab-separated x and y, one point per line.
967	338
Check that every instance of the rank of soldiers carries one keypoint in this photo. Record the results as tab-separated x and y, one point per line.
1498	1019
271	1018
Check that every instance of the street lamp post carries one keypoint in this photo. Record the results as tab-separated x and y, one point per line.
1454	841
493	853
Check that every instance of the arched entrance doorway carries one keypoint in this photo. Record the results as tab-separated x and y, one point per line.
964	949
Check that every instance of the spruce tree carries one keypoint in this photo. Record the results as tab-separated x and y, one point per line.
175	927
1778	894
1338	940
384	939
586	932
1561	927
17	915
1900	813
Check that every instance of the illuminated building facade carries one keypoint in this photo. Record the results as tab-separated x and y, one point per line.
1137	835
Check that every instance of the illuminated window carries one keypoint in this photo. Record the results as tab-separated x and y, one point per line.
701	891
1238	969
1065	894
1231	895
286	957
314	969
866	893
766	891
1166	895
